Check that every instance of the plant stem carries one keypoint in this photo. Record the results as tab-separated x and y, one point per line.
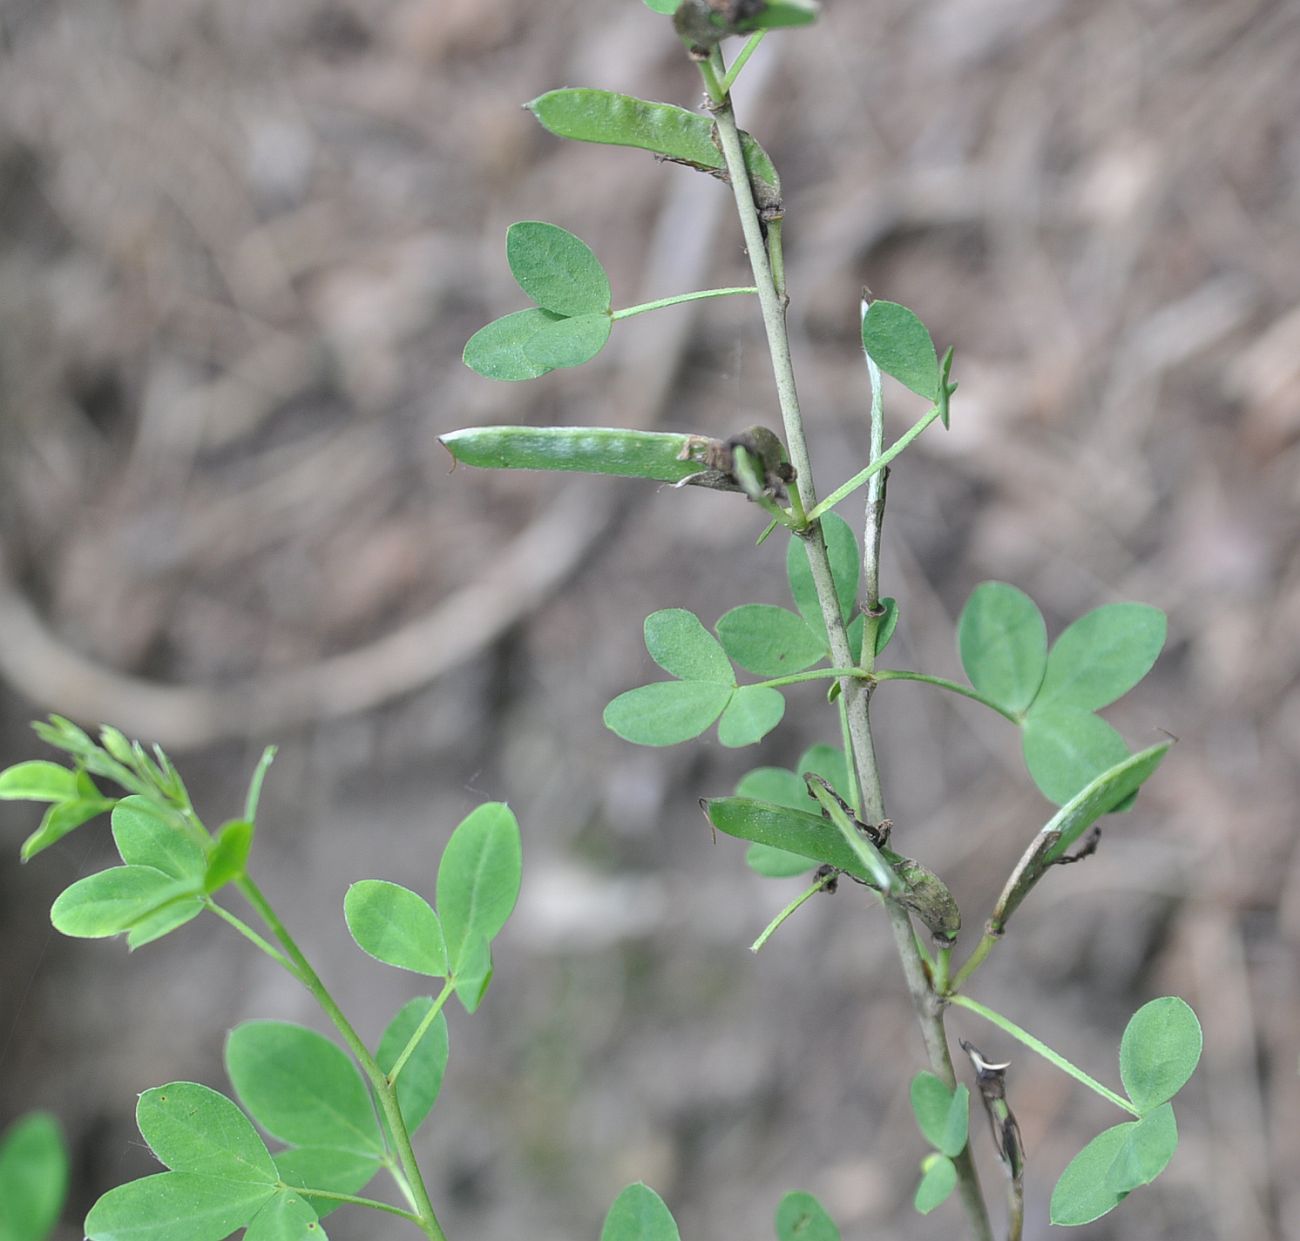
420	1031
255	784
712	82
817	674
955	687
874	521
681	297
855	695
973	962
742	59
1053	1057
254	938
384	1092
373	1203
805	895
847	489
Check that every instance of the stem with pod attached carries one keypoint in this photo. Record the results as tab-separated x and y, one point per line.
856	696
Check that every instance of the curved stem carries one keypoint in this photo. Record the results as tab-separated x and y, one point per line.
955	687
384	1091
1037	1045
677	298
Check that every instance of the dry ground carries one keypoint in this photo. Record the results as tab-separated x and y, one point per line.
243	246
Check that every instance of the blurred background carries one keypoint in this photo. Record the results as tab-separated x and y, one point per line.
243	245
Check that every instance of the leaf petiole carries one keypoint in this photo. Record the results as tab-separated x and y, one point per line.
253	937
817	674
421	1030
742	58
805	895
1036	1045
955	687
373	1203
677	298
847	489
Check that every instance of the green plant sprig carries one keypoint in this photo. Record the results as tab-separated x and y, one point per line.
356	1114
173	867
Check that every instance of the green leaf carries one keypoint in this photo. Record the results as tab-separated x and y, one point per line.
33	1177
775	785
1066	748
938	1180
800	1217
194	1129
323	1167
114	900
1002	640
301	1088
828	762
164	920
777	14
846	566
1110	789
768	641
1148	1147
679	644
478	879
287	1217
885	629
602	116
662	6
229	858
171	1205
499	350
146	835
666	712
639	1214
942	1115
752	713
474	974
396	926
556	269
38	781
421	1077
1102	656
784	788
569	342
1159	1051
812	836
899	343
1082	1194
60	819
775	863
659	455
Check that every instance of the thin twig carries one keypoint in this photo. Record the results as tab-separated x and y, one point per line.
856	696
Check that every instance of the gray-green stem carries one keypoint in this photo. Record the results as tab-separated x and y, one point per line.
385	1092
856	695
